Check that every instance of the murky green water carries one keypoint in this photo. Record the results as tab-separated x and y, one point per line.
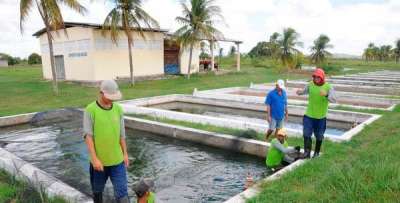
183	171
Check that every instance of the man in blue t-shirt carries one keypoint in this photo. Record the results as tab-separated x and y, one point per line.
276	102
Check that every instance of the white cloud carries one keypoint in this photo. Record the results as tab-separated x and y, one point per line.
350	26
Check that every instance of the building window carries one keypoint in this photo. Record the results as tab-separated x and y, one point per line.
76	55
122	44
67	46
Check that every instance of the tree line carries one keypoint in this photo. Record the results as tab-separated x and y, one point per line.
32	59
284	47
382	53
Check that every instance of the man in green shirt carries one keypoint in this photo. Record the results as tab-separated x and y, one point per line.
277	156
104	132
320	93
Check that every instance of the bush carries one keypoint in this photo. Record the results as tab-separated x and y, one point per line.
34	58
332	69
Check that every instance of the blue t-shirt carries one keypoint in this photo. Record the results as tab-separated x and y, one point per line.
277	104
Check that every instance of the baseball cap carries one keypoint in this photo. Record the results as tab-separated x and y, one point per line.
110	90
281	83
143	186
281	132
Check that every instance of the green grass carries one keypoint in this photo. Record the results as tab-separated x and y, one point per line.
25	91
13	190
366	169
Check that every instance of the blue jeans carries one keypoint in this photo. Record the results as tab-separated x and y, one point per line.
316	126
116	173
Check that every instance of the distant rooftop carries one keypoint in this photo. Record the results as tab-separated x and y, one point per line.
95	26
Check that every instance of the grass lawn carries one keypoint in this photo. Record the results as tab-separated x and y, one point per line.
15	191
27	92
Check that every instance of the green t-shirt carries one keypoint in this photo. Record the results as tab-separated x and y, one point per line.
274	155
151	198
106	133
317	105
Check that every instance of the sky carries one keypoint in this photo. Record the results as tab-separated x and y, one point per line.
350	24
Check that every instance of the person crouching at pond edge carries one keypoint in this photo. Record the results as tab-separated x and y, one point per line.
143	191
320	93
104	131
277	156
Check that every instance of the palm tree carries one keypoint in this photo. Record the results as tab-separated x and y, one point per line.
396	51
288	42
369	52
384	52
50	13
127	15
319	52
273	45
197	23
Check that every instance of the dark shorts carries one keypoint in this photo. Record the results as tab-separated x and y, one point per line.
118	177
316	126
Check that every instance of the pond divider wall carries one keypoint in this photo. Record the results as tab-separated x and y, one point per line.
135	107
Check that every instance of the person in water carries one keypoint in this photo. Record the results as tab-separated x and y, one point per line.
320	93
104	133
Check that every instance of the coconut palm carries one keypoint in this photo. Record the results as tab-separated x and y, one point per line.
396	51
288	42
50	13
319	52
127	15
384	52
197	20
370	52
273	45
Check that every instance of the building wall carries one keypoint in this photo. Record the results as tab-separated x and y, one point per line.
112	61
90	56
3	63
184	59
77	49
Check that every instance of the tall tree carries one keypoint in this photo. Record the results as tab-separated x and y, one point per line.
396	50
50	13
384	52
273	45
319	52
288	42
129	16
198	22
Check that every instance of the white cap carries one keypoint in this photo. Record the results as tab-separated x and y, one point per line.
110	90
281	83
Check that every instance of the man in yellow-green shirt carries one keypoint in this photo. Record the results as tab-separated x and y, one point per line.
104	132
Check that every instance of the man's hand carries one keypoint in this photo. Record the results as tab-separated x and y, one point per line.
97	165
323	93
126	160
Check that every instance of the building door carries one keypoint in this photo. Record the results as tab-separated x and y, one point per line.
60	69
171	57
